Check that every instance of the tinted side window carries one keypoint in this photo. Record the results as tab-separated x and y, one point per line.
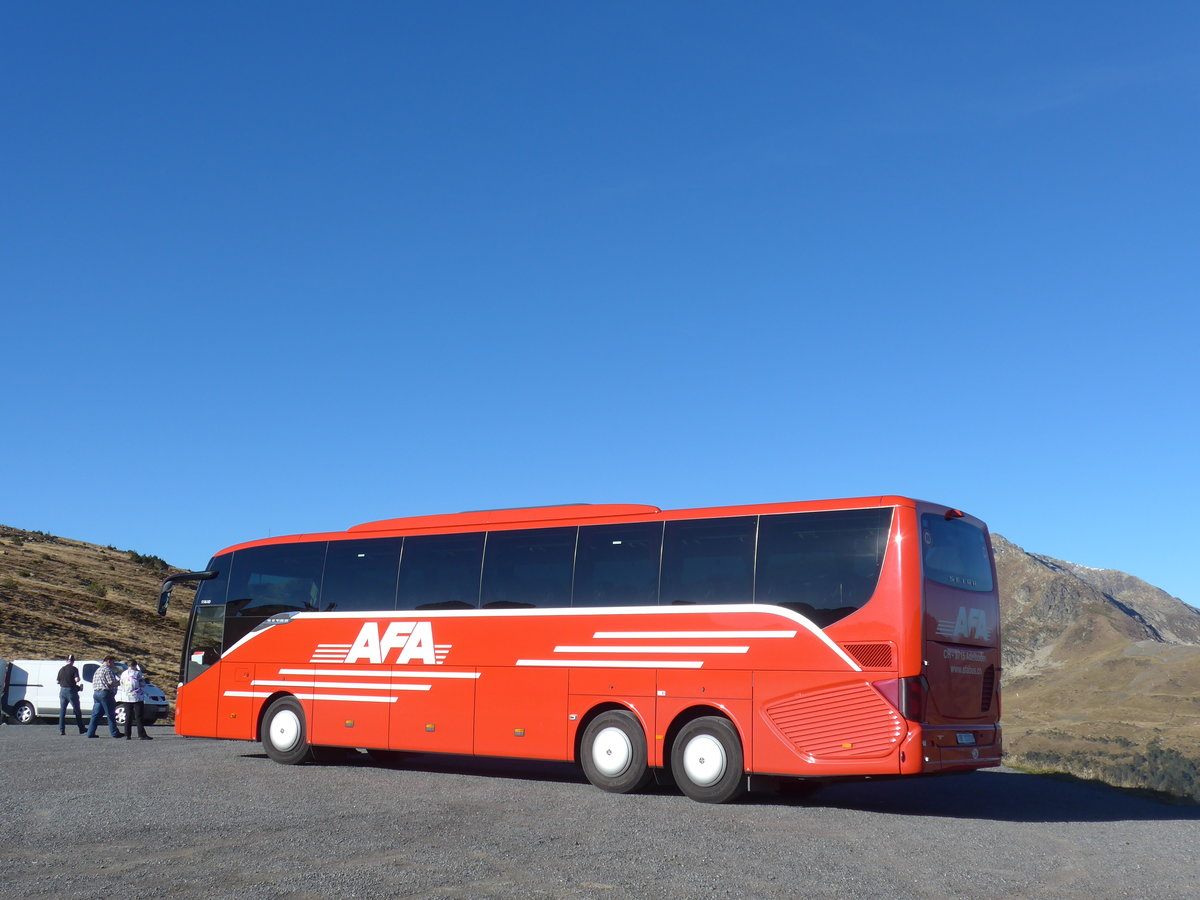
525	569
361	575
440	571
617	565
281	578
708	561
822	565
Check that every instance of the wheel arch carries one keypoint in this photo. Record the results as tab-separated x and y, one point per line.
266	704
699	711
603	707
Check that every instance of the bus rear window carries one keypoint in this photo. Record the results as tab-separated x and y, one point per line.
955	553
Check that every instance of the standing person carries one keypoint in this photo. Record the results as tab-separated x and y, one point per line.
131	694
104	689
69	686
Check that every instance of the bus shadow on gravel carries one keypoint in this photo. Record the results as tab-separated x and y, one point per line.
1002	796
449	764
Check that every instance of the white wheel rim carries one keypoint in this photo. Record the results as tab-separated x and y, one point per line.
704	760
285	729
612	751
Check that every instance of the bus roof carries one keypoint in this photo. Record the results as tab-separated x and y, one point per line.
571	514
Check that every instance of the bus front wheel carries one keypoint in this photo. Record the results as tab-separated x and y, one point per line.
285	733
707	760
613	753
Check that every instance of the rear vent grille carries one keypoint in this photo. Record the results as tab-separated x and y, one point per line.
989	688
847	722
872	656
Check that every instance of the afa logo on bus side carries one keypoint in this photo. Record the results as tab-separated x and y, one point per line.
413	642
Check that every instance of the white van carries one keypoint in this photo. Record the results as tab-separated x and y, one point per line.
31	692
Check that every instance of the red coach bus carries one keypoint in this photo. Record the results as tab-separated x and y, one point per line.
808	640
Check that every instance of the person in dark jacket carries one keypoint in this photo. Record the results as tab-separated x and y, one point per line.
69	686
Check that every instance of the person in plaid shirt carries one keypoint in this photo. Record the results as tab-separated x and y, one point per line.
104	688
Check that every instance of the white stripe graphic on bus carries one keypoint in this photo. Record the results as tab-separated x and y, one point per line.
614	663
348	697
651	635
390	673
611	648
312	682
341	684
740	609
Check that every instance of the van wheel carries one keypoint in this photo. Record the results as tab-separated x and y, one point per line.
613	753
25	713
120	715
285	733
707	761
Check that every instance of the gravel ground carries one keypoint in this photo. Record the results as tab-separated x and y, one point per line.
186	817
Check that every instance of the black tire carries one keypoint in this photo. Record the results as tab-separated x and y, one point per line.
25	714
613	753
121	715
285	732
707	760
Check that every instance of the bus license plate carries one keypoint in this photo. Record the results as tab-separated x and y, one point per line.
966	738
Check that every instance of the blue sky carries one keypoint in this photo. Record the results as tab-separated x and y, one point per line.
283	267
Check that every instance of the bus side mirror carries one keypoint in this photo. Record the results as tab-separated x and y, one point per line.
164	596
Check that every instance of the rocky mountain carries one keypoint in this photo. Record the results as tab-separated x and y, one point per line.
1044	599
1102	674
1168	618
1101	670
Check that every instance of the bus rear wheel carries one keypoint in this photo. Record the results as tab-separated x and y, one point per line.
707	760
285	732
613	753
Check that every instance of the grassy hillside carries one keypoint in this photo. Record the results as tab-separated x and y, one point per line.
59	596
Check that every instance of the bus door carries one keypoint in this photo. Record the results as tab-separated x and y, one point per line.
196	709
202	708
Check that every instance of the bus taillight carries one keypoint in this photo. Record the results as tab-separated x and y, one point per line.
908	695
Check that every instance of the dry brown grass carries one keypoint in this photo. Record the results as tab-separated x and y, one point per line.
59	596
